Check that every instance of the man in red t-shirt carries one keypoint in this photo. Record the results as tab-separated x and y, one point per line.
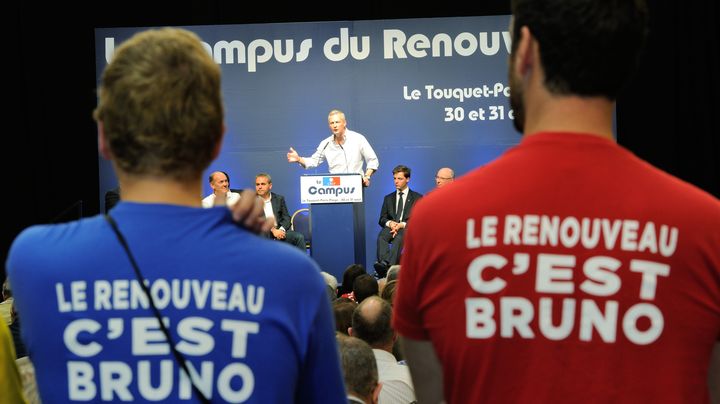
571	270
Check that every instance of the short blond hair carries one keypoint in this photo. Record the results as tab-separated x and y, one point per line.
160	105
337	112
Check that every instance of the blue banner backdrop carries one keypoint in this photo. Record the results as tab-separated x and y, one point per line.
427	93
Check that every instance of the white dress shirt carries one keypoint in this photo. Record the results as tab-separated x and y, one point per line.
405	192
209	201
397	385
267	206
345	158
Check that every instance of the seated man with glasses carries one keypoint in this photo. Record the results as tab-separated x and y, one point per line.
444	176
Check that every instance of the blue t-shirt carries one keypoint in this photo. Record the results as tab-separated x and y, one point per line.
250	315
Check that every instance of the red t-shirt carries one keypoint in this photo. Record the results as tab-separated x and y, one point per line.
568	270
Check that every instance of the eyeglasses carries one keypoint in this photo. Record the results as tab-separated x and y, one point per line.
437	177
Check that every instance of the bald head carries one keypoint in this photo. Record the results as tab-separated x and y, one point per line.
444	176
371	308
219	182
371	322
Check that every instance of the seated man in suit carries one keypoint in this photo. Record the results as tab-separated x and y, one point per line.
394	218
220	184
275	207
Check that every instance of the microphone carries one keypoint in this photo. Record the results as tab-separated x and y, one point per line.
326	145
347	168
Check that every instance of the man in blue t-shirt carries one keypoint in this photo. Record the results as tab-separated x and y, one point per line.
248	319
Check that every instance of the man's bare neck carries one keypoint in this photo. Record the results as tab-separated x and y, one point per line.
164	191
589	115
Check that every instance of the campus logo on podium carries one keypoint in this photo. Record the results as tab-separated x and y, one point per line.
331	181
342	188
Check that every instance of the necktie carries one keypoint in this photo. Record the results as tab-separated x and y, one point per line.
399	211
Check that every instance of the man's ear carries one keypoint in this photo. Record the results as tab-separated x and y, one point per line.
350	331
103	145
524	53
376	392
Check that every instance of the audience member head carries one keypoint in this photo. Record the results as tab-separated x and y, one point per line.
331	293
351	272
381	284
160	110
388	292
331	283
359	368
371	323
444	176
586	48
330	279
393	272
343	309
364	286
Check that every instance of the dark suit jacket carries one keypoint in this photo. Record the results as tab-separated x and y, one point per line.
280	210
389	203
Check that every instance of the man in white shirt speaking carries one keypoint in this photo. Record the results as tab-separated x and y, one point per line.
345	151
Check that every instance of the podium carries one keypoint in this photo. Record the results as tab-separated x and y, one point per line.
337	221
